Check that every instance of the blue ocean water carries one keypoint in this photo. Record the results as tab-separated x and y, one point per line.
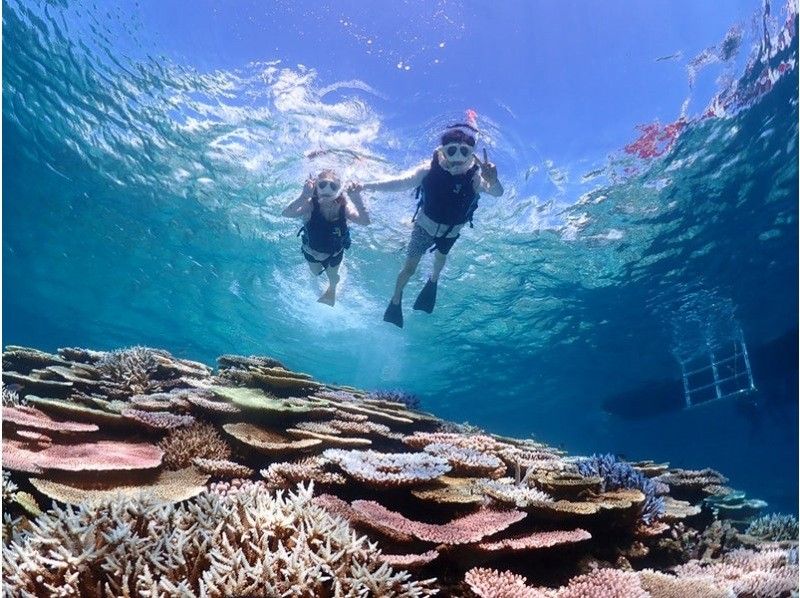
148	153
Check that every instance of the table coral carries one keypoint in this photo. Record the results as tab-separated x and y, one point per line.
462	530
388	469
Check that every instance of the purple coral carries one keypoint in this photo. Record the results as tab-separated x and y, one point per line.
617	474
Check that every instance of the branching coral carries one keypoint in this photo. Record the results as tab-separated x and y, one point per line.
244	543
617	474
202	440
132	370
774	528
287	475
506	491
489	583
11	398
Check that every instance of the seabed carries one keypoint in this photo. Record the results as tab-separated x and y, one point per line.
164	478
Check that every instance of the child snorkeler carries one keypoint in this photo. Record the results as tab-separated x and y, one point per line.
326	207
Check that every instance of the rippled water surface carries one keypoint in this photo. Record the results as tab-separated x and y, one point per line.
145	174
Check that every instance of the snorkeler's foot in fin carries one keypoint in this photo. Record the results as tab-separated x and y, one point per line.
426	298
394	314
328	297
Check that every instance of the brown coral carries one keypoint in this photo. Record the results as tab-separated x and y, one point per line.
182	445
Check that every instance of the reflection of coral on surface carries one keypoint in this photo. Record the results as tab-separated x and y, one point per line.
470	513
655	140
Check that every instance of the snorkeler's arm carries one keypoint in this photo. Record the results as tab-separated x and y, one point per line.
301	205
355	208
406	181
487	177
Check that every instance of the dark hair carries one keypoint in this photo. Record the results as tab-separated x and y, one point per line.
457	136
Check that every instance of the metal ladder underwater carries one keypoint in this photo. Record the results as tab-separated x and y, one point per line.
720	370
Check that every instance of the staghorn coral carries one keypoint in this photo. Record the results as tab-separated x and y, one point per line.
272	546
202	440
388	469
617	474
489	583
131	370
774	528
11	398
244	543
9	487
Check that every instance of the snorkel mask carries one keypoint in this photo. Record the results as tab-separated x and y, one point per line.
328	185
458	147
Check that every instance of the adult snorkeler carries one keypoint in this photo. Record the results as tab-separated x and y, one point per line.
448	189
326	207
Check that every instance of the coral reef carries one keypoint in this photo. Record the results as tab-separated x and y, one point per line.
152	463
616	474
396	396
774	528
247	543
200	440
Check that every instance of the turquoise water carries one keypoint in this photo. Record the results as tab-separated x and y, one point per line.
141	204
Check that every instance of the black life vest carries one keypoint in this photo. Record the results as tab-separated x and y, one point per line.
446	198
323	235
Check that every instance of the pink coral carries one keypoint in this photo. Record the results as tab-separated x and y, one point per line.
536	540
103	455
604	583
30	417
462	530
489	583
407	561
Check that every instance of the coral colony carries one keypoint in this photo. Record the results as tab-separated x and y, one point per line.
134	473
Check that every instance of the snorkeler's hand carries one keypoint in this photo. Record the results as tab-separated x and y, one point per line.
488	170
308	188
354	188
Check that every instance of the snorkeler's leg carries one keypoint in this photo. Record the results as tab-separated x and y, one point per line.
329	296
404	276
316	268
426	300
439	260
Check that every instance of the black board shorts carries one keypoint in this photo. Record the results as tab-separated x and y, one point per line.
421	241
329	262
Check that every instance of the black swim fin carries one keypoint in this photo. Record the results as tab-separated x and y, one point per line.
394	314
426	298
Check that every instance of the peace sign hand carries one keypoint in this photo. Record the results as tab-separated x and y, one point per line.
488	170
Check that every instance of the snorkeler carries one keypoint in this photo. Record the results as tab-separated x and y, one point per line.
448	189
325	208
